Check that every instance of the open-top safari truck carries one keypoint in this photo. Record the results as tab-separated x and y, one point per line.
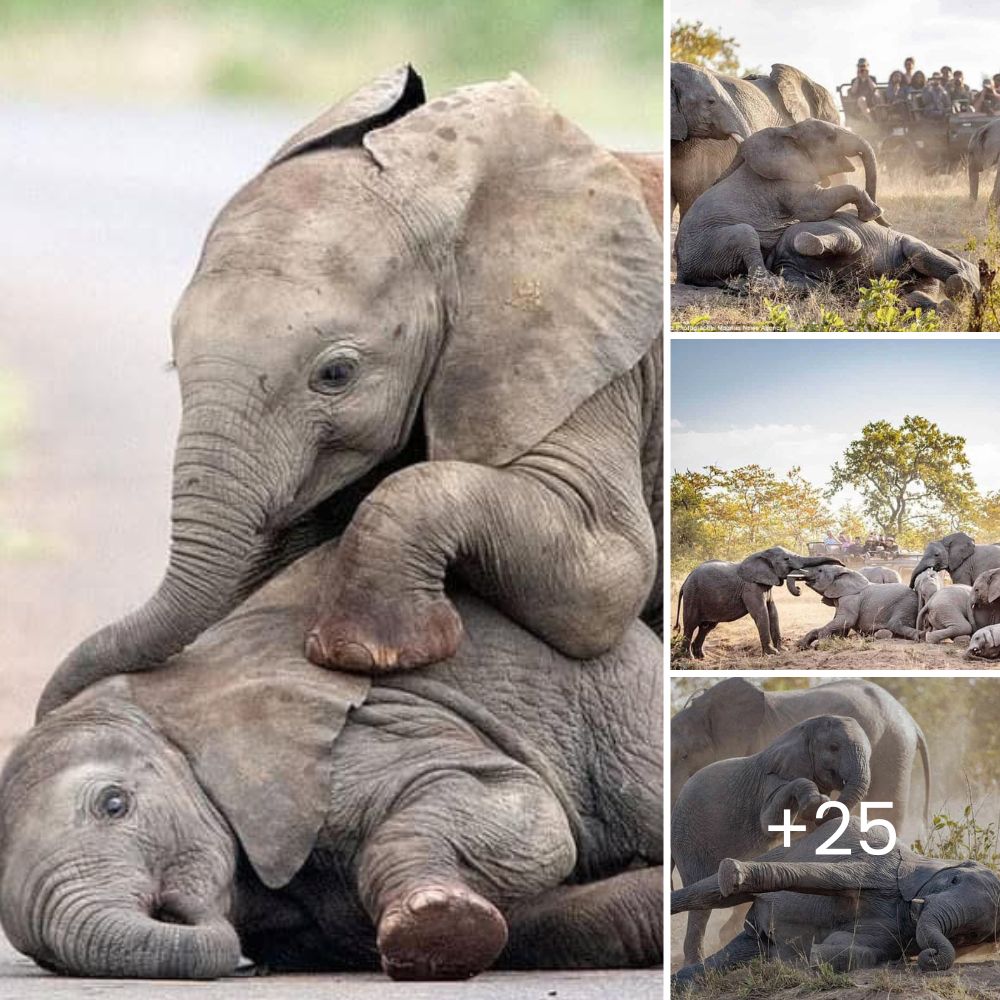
864	555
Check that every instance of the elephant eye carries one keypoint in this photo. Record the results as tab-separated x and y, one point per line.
335	374
113	803
834	748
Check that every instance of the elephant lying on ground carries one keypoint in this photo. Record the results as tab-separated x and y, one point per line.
880	574
471	281
699	154
845	252
984	644
773	182
984	152
727	808
438	821
947	614
734	718
719	591
960	556
853	911
984	604
861	606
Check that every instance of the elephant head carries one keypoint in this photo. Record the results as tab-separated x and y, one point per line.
700	108
776	565
834	582
956	906
832	750
475	263
947	553
984	644
808	152
985	599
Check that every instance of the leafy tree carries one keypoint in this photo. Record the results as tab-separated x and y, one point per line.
692	42
911	477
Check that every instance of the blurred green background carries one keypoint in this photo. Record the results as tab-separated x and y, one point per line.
599	61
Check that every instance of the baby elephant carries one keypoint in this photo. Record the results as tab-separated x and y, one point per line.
719	591
861	606
985	600
434	822
773	182
947	614
926	584
880	574
725	809
984	644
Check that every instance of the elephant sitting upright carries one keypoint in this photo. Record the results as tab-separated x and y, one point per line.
436	822
774	182
853	910
727	809
719	591
471	281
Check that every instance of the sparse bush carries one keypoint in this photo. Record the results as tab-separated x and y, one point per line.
961	839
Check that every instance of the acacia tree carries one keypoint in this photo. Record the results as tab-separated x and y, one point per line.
692	42
910	477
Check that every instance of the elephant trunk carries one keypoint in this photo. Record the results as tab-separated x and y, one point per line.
936	951
809	561
867	154
857	778
927	562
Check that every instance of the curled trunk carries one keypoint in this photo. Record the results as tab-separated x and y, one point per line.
927	562
936	951
867	155
857	779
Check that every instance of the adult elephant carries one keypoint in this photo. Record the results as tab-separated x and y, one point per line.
783	97
433	822
854	911
984	601
471	281
719	591
984	152
730	808
959	554
735	718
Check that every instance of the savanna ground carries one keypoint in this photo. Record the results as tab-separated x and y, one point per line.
934	208
736	645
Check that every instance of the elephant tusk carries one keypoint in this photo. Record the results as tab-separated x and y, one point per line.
737	137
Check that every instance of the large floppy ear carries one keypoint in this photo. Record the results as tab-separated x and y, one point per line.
758	568
993	585
552	272
803	98
960	547
388	97
678	123
845	583
790	754
257	728
733	706
775	154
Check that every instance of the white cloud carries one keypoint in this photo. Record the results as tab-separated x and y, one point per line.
676	424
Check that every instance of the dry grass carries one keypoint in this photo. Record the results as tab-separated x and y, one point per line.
934	208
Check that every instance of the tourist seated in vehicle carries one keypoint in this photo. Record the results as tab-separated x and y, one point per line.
961	95
863	90
909	64
935	102
987	101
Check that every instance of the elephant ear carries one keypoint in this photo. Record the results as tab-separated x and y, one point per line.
734	705
386	98
678	123
550	261
993	586
803	98
790	755
775	154
758	569
960	547
258	729
846	583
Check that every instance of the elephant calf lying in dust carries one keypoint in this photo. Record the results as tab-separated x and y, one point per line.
725	810
947	614
846	252
984	644
854	911
880	574
500	807
861	606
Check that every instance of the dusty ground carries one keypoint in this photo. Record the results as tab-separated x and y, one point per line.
736	645
934	208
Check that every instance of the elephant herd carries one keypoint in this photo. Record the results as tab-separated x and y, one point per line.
872	601
740	757
431	329
756	170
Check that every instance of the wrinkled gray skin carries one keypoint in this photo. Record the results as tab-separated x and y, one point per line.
845	252
725	810
960	556
926	584
984	603
700	107
781	98
984	644
862	607
853	911
947	614
470	281
735	718
879	574
436	821
774	181
984	152
719	591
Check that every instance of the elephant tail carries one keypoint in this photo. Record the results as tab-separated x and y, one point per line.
680	600
926	762
921	615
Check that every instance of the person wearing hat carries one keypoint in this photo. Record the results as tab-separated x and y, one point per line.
863	89
936	102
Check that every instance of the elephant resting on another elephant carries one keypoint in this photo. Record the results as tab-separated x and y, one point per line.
437	821
773	182
726	810
846	252
854	911
862	606
719	591
984	152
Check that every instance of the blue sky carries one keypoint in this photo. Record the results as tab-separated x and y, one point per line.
961	34
781	403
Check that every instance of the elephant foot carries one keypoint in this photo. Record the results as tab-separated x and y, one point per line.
731	876
884	633
957	286
440	932
868	212
372	634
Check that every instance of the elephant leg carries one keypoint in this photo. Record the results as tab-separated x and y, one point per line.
703	629
949	632
561	540
775	628
705	894
839	626
614	923
740	951
756	604
742	878
741	243
457	849
694	936
842	243
816	205
995	194
929	261
899	627
846	951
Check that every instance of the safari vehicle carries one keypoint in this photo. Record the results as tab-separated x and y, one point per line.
879	556
902	135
